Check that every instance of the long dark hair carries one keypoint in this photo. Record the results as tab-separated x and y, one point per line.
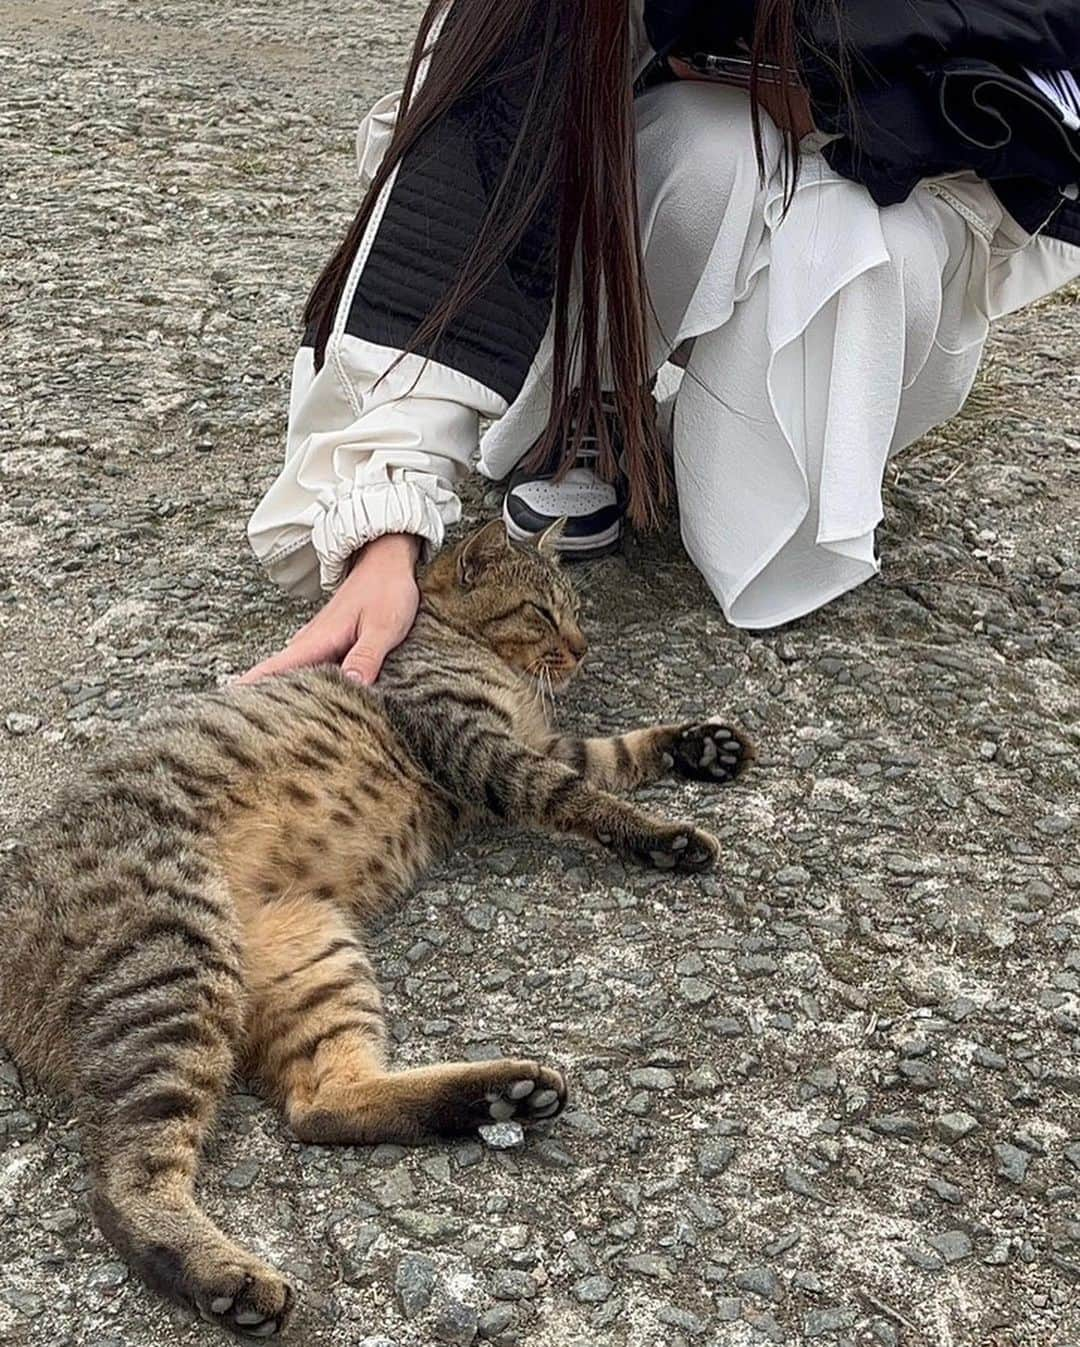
576	141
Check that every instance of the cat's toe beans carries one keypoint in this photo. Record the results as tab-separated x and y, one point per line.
711	753
527	1098
502	1110
544	1104
256	1305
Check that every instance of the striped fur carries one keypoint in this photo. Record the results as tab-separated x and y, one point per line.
194	907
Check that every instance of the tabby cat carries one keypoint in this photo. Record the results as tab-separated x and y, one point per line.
193	908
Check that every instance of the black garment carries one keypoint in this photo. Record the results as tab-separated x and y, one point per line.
903	84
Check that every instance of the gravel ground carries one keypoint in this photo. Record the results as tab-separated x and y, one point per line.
829	1095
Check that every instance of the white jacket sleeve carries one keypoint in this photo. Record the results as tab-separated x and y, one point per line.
373	447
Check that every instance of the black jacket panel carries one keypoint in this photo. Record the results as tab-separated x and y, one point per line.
435	214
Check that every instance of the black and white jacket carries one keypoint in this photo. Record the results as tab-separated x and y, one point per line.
368	454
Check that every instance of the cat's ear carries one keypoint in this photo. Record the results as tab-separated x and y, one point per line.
547	543
487	545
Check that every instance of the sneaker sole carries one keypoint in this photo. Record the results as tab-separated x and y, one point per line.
581	549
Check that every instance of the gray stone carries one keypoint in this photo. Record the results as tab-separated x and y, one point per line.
495	1321
510	1284
826	1322
696	991
414	1283
19	723
431	1227
650	1265
953	1245
895	1125
952	1127
705	1080
1012	1162
652	1078
760	1280
713	1157
684	1320
456	1324
242	1175
592	1290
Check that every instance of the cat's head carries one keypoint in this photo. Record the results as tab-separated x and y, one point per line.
514	598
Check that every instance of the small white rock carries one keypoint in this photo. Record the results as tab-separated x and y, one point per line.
18	722
503	1136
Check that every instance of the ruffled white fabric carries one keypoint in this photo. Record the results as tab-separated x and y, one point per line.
824	340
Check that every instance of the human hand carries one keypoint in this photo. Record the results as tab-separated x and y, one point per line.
369	615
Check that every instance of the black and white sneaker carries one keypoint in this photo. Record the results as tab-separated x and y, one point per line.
593	509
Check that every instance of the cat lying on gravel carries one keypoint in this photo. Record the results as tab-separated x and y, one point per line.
194	907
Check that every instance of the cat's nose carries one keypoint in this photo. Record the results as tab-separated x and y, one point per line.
577	645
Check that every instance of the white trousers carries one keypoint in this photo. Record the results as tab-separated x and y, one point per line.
824	340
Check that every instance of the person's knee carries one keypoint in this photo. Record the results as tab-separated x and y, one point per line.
695	141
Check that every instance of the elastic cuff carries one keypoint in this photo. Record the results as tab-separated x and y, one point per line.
351	522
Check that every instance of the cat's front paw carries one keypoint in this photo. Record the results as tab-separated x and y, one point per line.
713	752
680	847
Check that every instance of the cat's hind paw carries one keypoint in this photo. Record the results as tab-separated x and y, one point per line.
475	1095
682	848
253	1302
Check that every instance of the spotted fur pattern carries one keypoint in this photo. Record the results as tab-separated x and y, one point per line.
194	908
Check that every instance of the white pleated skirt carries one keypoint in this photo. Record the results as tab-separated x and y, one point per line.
821	341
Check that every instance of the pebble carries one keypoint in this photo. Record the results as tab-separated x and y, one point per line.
652	1078
820	1322
242	1175
650	1265
457	1324
797	1182
953	1245
761	1281
26	1302
955	1126
431	1227
513	1285
414	1283
696	991
713	1157
684	1320
1012	1162
894	1125
19	723
592	1290
495	1321
705	1080
503	1136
